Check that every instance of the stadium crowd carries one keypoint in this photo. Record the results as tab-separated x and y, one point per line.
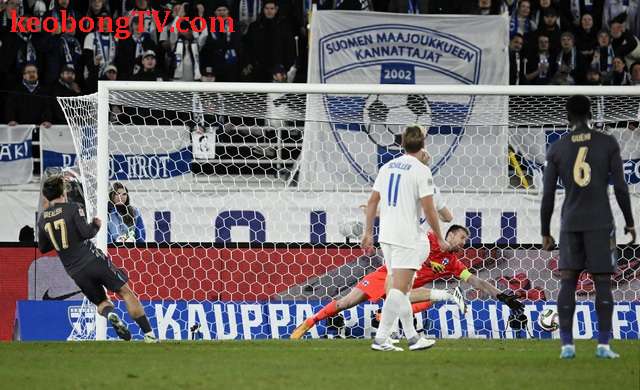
592	42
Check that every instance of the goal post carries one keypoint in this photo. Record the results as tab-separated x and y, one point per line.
248	194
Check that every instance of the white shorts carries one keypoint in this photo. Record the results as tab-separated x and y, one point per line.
405	258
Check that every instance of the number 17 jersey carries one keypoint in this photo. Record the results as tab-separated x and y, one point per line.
402	182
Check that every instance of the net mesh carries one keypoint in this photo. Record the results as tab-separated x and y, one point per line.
243	212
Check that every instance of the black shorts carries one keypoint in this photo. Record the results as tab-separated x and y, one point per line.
96	275
594	251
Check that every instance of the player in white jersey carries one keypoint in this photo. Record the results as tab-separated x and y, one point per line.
403	190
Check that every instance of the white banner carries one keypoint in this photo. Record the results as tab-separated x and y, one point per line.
16	158
348	137
283	216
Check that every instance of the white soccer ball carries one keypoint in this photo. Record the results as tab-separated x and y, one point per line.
548	320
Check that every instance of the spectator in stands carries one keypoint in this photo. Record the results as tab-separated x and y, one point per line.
129	51
247	12
355	5
208	74
485	7
99	51
635	73
29	104
572	11
538	12
586	37
149	26
540	67
8	44
268	42
619	74
624	43
571	65
111	73
125	221
516	70
549	28
95	9
593	77
184	47
148	72
221	49
603	54
520	21
60	50
65	86
409	6
615	8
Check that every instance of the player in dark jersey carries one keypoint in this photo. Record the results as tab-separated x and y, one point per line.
585	160
63	227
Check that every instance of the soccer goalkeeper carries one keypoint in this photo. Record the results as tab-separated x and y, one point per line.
439	264
62	226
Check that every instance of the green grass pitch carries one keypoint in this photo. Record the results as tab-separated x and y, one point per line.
314	364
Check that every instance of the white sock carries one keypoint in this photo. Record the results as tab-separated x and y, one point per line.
396	327
439	295
605	346
406	317
390	314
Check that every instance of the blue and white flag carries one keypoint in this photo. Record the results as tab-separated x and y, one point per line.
349	137
16	157
135	153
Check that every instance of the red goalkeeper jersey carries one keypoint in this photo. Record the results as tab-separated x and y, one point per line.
449	264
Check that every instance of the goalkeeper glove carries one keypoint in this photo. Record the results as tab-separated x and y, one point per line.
509	299
436	267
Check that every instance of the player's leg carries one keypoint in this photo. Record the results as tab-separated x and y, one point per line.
396	304
89	281
604	310
136	311
422	298
601	263
334	307
115	280
572	262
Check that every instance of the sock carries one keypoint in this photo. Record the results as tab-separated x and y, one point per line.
436	295
420	306
390	314
406	317
567	306
329	310
604	306
106	311
143	323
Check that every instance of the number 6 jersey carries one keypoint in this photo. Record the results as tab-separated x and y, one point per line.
585	160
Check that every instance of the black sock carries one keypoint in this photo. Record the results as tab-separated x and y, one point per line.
106	311
143	323
604	306
567	306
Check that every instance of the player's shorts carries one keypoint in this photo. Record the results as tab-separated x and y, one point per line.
593	250
95	275
373	285
399	257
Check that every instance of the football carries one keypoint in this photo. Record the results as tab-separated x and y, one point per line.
548	320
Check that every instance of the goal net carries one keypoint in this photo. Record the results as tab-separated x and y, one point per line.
243	208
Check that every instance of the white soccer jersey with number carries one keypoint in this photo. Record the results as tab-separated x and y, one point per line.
401	183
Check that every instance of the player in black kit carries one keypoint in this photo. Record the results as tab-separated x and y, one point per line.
585	160
63	227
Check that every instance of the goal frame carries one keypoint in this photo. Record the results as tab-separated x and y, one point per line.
105	87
